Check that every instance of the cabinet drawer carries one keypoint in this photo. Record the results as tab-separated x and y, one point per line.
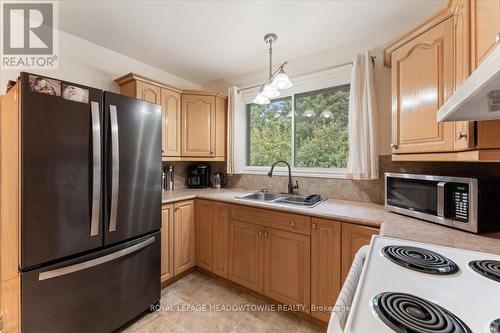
265	217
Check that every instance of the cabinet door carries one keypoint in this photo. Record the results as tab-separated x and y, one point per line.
184	236
288	267
325	266
246	255
204	244
220	127
220	239
171	130
198	125
422	79
148	92
464	130
485	27
353	238
167	242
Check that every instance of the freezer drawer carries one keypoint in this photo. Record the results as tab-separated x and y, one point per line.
97	293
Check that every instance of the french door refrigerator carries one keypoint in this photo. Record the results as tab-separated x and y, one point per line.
91	207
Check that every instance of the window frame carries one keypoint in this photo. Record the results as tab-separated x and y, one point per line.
303	84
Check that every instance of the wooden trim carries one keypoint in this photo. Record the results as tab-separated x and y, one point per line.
430	23
130	77
478	155
10	209
177	277
136	77
203	93
192	159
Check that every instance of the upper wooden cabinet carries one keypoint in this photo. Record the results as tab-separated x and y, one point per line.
198	125
422	79
194	122
428	65
171	117
485	27
203	125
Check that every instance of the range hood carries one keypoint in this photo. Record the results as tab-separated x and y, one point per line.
479	96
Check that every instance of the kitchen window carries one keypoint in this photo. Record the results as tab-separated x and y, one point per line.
308	129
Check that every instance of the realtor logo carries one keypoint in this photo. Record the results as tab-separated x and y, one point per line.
29	35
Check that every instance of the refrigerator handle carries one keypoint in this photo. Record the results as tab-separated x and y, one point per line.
115	172
94	262
96	169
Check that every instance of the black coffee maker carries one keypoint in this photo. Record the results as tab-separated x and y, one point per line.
198	176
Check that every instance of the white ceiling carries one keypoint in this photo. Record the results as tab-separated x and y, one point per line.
204	41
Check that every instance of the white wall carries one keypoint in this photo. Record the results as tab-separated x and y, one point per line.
83	62
326	59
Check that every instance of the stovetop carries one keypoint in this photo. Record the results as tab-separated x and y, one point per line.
425	288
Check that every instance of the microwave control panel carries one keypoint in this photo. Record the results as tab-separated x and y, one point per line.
459	195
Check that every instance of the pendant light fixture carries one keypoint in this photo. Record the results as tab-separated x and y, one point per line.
277	80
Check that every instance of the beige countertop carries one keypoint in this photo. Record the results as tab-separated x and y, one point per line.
363	213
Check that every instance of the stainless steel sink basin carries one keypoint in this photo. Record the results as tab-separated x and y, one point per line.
262	196
295	200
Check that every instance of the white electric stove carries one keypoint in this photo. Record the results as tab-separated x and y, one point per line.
415	287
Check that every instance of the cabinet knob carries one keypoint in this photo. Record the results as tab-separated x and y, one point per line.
211	153
260	233
394	146
292	224
237	213
265	233
314	226
461	136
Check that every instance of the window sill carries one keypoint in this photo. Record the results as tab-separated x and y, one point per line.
306	173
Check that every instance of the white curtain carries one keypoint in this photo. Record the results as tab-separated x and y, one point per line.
235	125
363	154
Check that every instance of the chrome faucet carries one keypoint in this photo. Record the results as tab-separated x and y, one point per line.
291	187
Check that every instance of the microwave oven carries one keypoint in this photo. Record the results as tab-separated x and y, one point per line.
458	202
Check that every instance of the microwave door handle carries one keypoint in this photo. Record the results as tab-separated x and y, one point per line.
115	170
440	199
96	169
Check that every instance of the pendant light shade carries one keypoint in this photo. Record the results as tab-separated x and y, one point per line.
277	80
261	99
281	81
270	92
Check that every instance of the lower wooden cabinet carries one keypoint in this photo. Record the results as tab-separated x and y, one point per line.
326	281
167	242
287	270
220	225
353	238
204	243
246	255
184	236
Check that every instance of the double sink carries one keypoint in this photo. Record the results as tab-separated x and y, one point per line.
276	198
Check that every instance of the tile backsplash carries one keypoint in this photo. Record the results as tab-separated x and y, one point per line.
345	189
364	190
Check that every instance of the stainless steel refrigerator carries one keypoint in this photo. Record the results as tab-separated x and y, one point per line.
90	207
